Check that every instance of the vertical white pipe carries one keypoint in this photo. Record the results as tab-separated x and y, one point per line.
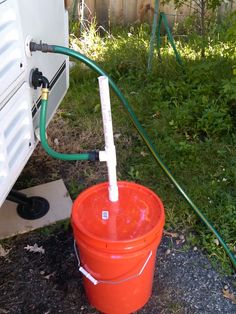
110	149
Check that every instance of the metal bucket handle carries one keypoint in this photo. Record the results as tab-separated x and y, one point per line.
96	281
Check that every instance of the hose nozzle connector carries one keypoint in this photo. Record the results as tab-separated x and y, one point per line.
93	156
40	47
44	93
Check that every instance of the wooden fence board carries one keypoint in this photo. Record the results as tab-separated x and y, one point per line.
116	12
102	12
90	9
129	11
145	10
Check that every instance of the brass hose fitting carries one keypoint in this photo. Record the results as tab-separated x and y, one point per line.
44	93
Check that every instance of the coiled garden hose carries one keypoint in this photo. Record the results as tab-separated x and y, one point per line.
91	64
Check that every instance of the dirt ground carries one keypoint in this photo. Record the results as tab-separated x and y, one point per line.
50	283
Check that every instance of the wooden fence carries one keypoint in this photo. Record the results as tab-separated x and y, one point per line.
123	12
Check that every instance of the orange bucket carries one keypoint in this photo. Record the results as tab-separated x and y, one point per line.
117	245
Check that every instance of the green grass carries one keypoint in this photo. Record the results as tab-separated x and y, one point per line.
190	115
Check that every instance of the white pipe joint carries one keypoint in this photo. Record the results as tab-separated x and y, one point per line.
102	155
108	155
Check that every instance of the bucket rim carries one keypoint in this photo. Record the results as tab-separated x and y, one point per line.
139	239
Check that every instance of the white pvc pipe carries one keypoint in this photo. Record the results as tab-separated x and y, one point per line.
110	151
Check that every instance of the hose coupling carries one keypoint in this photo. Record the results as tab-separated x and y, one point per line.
93	156
44	93
40	47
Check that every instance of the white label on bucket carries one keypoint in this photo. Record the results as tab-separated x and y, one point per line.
105	214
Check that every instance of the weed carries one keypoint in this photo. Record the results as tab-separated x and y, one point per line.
60	225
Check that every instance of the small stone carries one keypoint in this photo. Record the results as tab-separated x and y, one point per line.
216	241
117	135
195	248
3	252
168	252
42	272
143	154
56	141
226	287
181	237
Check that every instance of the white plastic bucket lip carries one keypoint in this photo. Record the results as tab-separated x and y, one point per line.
111	282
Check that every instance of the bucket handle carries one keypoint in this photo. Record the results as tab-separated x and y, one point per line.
96	281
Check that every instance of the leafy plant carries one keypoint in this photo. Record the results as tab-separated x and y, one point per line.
231	26
229	88
201	19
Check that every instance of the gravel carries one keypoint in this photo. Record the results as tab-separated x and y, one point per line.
189	281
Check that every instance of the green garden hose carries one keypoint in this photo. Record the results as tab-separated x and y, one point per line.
92	156
91	64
